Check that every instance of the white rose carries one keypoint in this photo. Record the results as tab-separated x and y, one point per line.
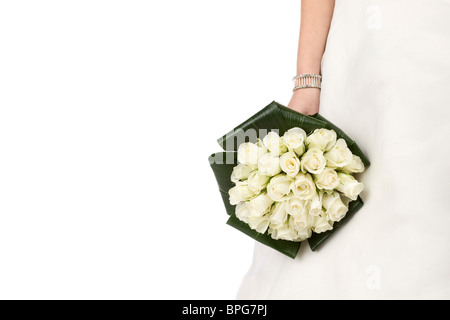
242	211
245	212
240	173
296	206
294	140
260	205
259	224
240	193
279	187
269	165
322	223
355	166
249	153
303	186
323	139
303	234
327	180
287	231
298	211
336	209
274	143
290	164
257	181
283	232
300	151
279	214
301	222
349	186
315	206
339	156
313	161
260	144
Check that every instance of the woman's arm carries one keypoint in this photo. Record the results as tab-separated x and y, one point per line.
314	26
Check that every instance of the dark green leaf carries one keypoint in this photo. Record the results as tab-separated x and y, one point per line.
222	164
294	119
317	239
288	248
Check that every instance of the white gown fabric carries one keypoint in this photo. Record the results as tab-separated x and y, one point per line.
386	82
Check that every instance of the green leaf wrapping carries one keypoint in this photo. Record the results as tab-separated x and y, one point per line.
222	170
274	116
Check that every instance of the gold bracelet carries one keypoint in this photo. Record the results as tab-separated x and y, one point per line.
307	81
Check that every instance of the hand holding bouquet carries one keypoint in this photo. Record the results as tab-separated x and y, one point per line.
286	177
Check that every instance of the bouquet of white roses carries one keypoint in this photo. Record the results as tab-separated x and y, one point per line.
286	177
294	185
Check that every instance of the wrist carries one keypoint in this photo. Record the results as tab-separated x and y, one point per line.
306	81
307	91
305	101
309	94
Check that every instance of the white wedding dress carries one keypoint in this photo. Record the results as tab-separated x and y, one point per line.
386	82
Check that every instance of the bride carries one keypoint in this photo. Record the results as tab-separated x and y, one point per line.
386	82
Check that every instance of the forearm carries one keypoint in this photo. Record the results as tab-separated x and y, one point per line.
314	26
315	23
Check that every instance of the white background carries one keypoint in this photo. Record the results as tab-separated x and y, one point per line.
108	113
